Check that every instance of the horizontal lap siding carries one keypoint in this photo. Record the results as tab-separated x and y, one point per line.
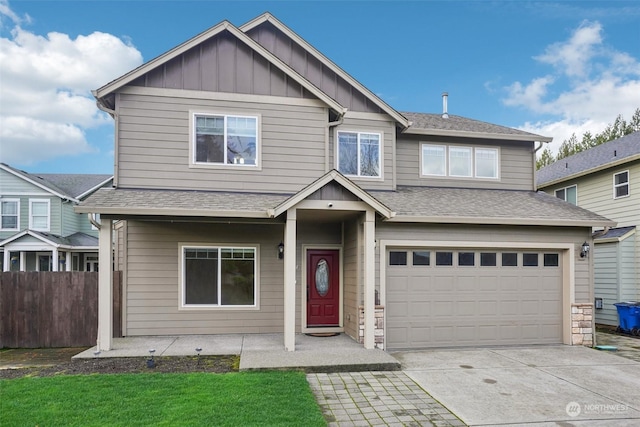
514	168
463	233
606	282
153	151
152	280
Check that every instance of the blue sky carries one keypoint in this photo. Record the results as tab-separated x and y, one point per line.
552	68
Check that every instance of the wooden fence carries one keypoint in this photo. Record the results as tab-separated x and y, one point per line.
53	309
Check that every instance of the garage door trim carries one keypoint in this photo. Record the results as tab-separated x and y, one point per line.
568	265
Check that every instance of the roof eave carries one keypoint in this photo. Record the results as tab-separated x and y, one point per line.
580	174
37	184
503	221
94	188
171	212
484	135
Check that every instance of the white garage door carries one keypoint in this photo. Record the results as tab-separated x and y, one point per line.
454	298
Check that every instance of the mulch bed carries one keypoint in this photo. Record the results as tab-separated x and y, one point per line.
129	365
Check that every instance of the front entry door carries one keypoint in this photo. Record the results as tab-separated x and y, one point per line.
323	287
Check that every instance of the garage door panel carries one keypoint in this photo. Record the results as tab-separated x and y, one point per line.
473	305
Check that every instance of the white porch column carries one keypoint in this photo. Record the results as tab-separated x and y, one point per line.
67	261
290	281
105	287
369	280
23	261
6	261
55	263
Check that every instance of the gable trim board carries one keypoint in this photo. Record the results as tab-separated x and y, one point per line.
223	26
43	239
37	184
267	17
568	267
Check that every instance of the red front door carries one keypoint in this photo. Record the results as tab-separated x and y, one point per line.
323	287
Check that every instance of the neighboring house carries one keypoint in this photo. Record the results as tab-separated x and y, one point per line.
262	189
606	179
39	230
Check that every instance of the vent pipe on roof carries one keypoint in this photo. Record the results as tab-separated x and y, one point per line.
445	114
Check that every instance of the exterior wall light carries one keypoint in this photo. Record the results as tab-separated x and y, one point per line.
585	250
281	250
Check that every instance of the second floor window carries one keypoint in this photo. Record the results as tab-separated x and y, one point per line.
359	154
459	162
39	215
621	184
568	194
10	214
225	139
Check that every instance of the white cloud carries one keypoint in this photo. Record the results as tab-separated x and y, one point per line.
591	84
46	82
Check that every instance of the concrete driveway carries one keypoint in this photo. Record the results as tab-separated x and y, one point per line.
536	386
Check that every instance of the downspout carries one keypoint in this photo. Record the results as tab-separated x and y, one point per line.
535	150
93	221
113	114
338	122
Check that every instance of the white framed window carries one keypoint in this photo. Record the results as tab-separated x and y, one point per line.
218	276
621	184
487	163
9	214
220	139
39	214
359	154
459	162
568	194
434	160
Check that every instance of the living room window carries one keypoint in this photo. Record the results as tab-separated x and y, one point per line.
225	140
459	162
568	194
621	184
9	214
39	216
359	154
216	276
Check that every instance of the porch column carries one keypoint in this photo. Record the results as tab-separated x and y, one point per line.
105	287
23	261
67	261
290	281
6	261
55	263
369	280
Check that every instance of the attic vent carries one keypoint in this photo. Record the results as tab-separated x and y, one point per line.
566	165
445	97
615	153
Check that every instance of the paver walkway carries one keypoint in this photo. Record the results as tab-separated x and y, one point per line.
385	398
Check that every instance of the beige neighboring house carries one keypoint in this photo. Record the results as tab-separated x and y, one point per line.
259	188
606	179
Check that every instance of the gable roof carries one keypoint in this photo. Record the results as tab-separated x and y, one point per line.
74	241
65	186
435	124
613	153
202	37
336	176
267	17
484	206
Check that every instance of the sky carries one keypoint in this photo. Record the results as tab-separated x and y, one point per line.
549	67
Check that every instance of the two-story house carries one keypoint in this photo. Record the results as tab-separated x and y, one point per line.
604	179
39	230
262	189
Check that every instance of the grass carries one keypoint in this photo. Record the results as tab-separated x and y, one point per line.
234	399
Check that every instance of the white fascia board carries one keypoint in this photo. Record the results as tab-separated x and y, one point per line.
478	135
30	233
37	184
326	62
170	212
94	188
590	171
503	221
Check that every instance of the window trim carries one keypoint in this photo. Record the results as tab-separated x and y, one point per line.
555	193
380	134
17	201
616	186
48	202
216	307
447	159
193	114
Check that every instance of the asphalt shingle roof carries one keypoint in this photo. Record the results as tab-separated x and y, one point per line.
458	123
596	157
613	233
75	239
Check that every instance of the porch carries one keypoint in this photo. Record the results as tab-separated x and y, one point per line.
337	353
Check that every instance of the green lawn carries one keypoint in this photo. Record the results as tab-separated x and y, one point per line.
234	399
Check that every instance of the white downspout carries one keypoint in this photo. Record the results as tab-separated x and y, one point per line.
338	122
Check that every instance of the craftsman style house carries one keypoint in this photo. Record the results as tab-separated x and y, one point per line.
39	230
604	179
259	188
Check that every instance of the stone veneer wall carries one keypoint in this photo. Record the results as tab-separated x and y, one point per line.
582	327
378	326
